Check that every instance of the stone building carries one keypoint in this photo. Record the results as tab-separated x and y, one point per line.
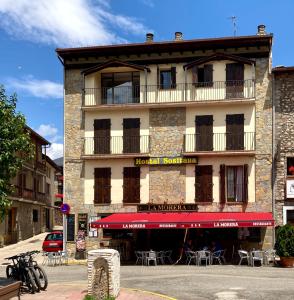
32	209
181	125
283	81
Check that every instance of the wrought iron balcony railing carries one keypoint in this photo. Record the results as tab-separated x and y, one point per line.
116	145
181	92
219	142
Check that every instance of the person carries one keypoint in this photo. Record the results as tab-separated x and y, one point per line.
215	246
188	245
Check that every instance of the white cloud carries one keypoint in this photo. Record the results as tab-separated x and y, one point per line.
47	130
149	3
35	87
55	150
66	23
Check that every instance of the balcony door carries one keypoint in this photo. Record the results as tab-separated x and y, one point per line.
102	186
131	135
235	132
204	133
102	136
203	183
234	80
131	185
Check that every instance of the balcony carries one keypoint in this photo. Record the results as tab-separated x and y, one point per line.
219	143
120	146
181	92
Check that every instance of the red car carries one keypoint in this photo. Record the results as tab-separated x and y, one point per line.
53	242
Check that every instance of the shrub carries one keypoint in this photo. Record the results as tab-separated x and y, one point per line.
285	241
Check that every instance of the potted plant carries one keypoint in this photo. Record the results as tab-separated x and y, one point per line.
285	245
291	170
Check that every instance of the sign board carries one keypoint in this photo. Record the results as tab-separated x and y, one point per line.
65	208
70	227
177	160
168	207
290	188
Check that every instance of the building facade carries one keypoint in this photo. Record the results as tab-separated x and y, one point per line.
32	210
283	78
168	123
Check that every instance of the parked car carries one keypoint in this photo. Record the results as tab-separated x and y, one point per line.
53	242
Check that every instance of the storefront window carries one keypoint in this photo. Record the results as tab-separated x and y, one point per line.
290	166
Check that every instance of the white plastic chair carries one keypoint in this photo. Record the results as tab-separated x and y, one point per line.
270	256
167	256
244	255
139	257
256	255
151	256
217	255
190	256
160	257
203	255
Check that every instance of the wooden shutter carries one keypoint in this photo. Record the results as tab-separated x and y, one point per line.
131	135
195	75
102	136
173	77
158	78
131	185
245	188
203	183
204	133
208	75
222	176
102	187
235	132
234	80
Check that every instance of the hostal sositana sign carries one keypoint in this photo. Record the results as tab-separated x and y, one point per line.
178	160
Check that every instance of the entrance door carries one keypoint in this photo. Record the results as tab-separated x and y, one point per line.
47	218
235	132
131	186
102	136
234	80
204	133
131	135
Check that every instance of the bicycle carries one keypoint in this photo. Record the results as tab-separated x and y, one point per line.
19	270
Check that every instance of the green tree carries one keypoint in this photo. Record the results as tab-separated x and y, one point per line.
15	146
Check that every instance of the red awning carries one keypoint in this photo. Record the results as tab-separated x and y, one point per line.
184	220
58	195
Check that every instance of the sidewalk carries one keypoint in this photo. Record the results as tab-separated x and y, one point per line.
78	291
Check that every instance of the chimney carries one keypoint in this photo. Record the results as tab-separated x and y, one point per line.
149	37
178	36
261	30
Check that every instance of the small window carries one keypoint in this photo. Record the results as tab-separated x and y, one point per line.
35	215
168	79
290	166
235	183
205	76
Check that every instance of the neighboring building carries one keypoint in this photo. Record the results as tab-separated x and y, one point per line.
131	109
283	78
32	201
59	181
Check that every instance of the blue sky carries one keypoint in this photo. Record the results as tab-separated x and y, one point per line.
30	30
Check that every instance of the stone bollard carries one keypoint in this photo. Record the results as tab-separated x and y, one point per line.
103	273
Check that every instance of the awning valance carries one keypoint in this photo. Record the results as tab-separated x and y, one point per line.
184	220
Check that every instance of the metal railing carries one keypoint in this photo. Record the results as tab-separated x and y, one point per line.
219	142
181	92
116	145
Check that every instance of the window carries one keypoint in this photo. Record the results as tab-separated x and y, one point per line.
235	183
205	76
131	185
48	188
102	187
35	215
235	132
290	166
203	183
204	133
167	78
119	88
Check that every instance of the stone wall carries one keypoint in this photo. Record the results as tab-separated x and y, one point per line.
167	128
284	126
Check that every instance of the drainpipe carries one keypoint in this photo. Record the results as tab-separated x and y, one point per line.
273	154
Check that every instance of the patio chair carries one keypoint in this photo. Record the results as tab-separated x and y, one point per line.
139	257
190	256
256	255
270	256
167	256
203	255
151	256
160	257
63	257
217	256
244	255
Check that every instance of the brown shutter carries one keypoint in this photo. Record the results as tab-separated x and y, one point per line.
195	75
234	80
131	185
245	189
173	77
203	183
204	133
235	132
131	135
102	186
158	78
208	75
102	136
222	176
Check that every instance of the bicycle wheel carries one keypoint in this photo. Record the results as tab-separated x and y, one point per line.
10	271
30	282
36	279
42	277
